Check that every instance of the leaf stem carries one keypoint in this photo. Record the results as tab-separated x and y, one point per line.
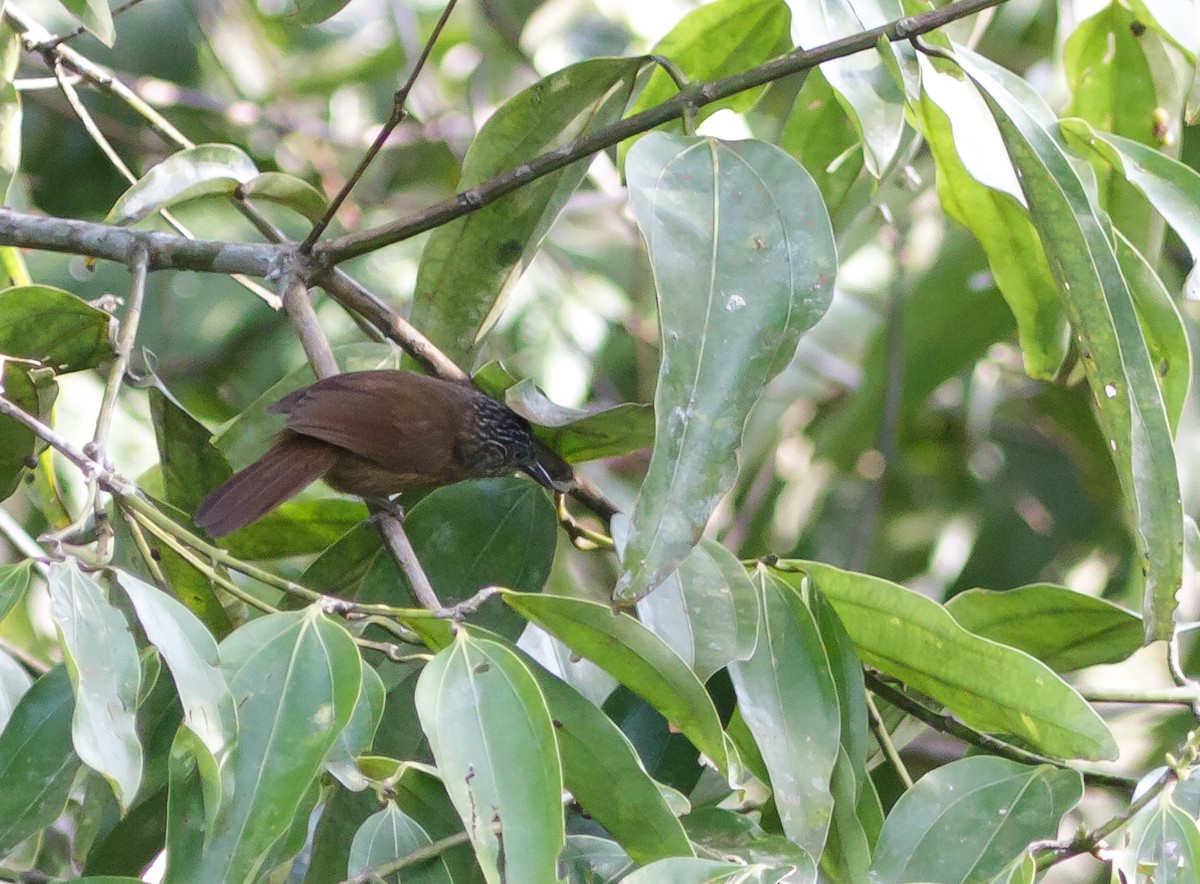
884	739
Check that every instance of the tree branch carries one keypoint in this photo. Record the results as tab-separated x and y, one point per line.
700	94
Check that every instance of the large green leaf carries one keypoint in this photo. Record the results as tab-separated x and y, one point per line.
106	673
990	809
866	83
37	759
744	261
1132	415
296	678
10	108
602	770
493	739
390	835
689	870
978	189
713	41
787	697
191	654
914	639
636	657
707	610
297	528
203	170
1064	629
456	301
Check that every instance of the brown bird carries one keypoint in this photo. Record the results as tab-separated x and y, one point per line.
377	433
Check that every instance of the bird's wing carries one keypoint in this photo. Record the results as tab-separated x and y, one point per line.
402	421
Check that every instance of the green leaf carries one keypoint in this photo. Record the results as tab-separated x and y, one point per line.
287	190
914	639
714	41
865	82
634	656
106	673
1170	186
602	770
707	610
34	392
296	678
1022	870
390	835
978	189
1064	629
93	15
788	699
37	759
297	528
356	737
203	170
1163	327
730	834
744	261
1161	843
190	652
990	809
1098	302
486	532
15	581
311	12
590	860
456	301
14	683
493	739
54	327
191	465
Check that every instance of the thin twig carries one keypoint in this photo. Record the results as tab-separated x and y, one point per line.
1050	853
308	329
884	739
947	724
148	555
394	119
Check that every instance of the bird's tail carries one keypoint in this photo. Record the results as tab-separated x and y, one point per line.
290	466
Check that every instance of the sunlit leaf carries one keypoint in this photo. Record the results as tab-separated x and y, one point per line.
743	260
716	40
914	639
1064	629
14	683
93	15
990	809
203	170
106	674
493	739
865	82
54	327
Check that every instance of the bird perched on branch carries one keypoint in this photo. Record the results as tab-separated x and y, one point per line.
377	433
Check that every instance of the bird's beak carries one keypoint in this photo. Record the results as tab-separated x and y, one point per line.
561	480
